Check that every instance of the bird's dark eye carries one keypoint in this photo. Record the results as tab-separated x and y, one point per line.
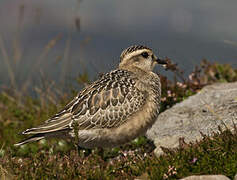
145	54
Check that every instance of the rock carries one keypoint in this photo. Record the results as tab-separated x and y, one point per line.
235	178
206	177
215	105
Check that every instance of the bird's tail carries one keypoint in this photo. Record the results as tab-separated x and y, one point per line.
33	138
39	136
52	128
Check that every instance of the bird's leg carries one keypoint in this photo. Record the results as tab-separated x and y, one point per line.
76	139
101	152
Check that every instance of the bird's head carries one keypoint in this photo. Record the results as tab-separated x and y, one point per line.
139	56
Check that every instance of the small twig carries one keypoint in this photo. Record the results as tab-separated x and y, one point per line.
174	68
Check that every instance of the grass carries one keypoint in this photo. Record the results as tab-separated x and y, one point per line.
57	159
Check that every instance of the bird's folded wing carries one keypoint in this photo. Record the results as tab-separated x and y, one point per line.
106	103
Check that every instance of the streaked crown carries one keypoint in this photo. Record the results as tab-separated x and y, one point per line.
132	49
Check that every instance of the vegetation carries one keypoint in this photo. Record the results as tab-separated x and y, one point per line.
57	159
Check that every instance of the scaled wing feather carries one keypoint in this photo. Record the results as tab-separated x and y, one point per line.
106	103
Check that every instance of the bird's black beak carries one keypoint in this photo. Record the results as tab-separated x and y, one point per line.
161	61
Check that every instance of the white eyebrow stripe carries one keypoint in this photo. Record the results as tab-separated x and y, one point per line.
135	53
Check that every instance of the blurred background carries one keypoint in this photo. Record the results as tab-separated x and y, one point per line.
58	40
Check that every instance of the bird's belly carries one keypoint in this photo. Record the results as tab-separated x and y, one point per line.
135	126
107	137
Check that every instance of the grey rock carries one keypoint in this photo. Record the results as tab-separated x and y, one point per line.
215	105
206	177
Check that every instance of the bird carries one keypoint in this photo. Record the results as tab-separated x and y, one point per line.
113	110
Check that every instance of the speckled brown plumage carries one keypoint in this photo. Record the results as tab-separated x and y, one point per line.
105	111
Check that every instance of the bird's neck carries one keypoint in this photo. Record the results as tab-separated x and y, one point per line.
135	70
148	81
